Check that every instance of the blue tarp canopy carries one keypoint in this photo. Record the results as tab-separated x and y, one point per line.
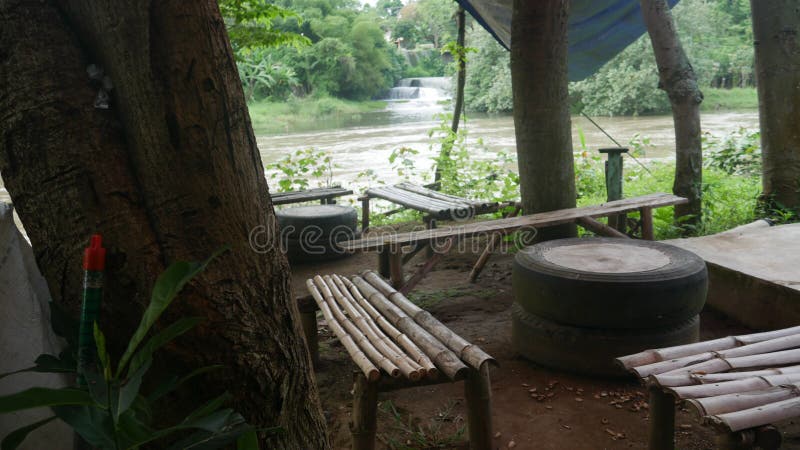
598	29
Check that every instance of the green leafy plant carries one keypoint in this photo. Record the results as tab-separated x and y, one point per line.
738	153
296	170
111	412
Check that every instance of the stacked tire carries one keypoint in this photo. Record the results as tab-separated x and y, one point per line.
312	233
580	303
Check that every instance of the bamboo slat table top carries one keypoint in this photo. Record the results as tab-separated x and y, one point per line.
734	383
285	198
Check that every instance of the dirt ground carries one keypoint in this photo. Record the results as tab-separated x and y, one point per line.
575	412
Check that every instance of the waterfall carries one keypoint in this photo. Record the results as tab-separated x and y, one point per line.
420	94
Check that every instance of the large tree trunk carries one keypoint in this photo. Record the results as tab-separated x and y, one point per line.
776	26
541	109
678	79
170	172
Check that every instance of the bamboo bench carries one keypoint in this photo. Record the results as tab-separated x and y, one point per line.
391	247
396	345
433	204
324	195
739	385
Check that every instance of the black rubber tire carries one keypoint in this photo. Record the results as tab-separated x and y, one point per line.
587	350
660	297
323	219
316	249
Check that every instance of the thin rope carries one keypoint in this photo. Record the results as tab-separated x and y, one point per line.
617	143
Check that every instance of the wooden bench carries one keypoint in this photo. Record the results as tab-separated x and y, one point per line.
391	247
324	195
434	205
740	385
396	345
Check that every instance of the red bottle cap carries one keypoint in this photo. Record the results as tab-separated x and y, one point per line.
94	257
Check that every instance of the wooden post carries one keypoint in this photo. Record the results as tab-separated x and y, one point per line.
646	215
614	183
662	420
365	409
430	223
478	393
383	261
364	213
396	267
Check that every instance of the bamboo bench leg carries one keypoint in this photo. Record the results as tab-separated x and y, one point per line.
646	215
396	268
484	258
365	409
662	420
364	213
478	392
383	261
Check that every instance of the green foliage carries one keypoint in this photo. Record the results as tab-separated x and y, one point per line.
295	171
264	78
471	171
111	412
488	87
250	24
717	38
738	153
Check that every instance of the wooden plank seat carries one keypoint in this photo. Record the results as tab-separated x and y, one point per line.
740	385
324	195
390	247
434	205
396	345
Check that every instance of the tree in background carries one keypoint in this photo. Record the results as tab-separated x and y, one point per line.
776	26
679	81
165	166
541	109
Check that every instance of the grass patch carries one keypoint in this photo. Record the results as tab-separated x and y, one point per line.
299	114
729	99
728	200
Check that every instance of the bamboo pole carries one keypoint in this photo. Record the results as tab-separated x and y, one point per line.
447	361
758	416
363	342
723	364
359	358
730	376
380	341
663	354
467	352
404	341
722	404
600	228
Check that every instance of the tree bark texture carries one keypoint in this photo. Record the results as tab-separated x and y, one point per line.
776	25
678	79
169	172
541	109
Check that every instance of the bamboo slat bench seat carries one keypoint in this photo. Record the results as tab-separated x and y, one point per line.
397	345
391	247
324	195
740	385
433	204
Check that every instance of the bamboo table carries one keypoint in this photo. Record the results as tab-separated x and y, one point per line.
740	385
326	196
396	345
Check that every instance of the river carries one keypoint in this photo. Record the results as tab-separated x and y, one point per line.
369	139
366	141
